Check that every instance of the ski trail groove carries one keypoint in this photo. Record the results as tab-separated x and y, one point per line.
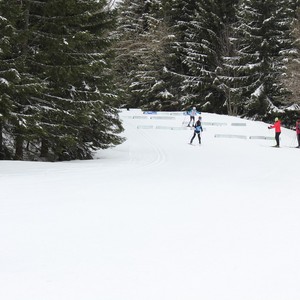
141	158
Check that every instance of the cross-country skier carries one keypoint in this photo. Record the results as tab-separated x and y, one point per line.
298	132
197	130
277	126
192	113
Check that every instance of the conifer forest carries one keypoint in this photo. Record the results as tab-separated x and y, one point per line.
68	66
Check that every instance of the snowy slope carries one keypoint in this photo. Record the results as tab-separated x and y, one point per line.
156	218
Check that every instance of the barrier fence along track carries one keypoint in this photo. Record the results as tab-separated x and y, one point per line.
171	116
214	124
238	124
162	118
231	136
261	137
216	135
145	127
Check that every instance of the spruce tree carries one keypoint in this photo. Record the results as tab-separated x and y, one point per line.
127	38
231	79
201	30
55	79
292	79
18	86
71	54
179	17
263	41
143	47
6	92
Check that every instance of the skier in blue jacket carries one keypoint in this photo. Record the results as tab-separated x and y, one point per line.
197	130
192	113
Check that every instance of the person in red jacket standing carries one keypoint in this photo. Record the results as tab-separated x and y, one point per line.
277	126
298	132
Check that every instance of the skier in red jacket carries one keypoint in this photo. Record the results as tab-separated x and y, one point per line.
277	126
298	132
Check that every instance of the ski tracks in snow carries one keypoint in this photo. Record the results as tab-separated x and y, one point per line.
145	151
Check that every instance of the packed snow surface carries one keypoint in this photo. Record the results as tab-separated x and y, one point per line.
156	218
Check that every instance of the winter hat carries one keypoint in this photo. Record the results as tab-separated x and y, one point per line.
194	107
276	119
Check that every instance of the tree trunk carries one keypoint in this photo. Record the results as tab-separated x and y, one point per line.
44	148
1	143
19	147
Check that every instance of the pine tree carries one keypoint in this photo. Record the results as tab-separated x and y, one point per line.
18	86
143	47
72	56
202	28
55	79
292	61
263	32
179	17
231	80
130	28
6	32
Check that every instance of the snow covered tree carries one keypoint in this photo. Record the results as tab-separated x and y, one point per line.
142	43
292	79
6	32
71	54
56	99
220	55
179	17
128	45
17	85
229	79
201	28
263	41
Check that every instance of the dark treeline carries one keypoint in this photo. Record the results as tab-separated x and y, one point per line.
56	99
225	56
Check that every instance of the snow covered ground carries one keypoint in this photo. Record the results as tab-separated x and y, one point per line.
156	218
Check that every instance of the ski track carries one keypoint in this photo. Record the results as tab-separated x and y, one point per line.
141	158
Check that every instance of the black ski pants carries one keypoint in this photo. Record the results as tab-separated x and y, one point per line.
199	137
277	134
